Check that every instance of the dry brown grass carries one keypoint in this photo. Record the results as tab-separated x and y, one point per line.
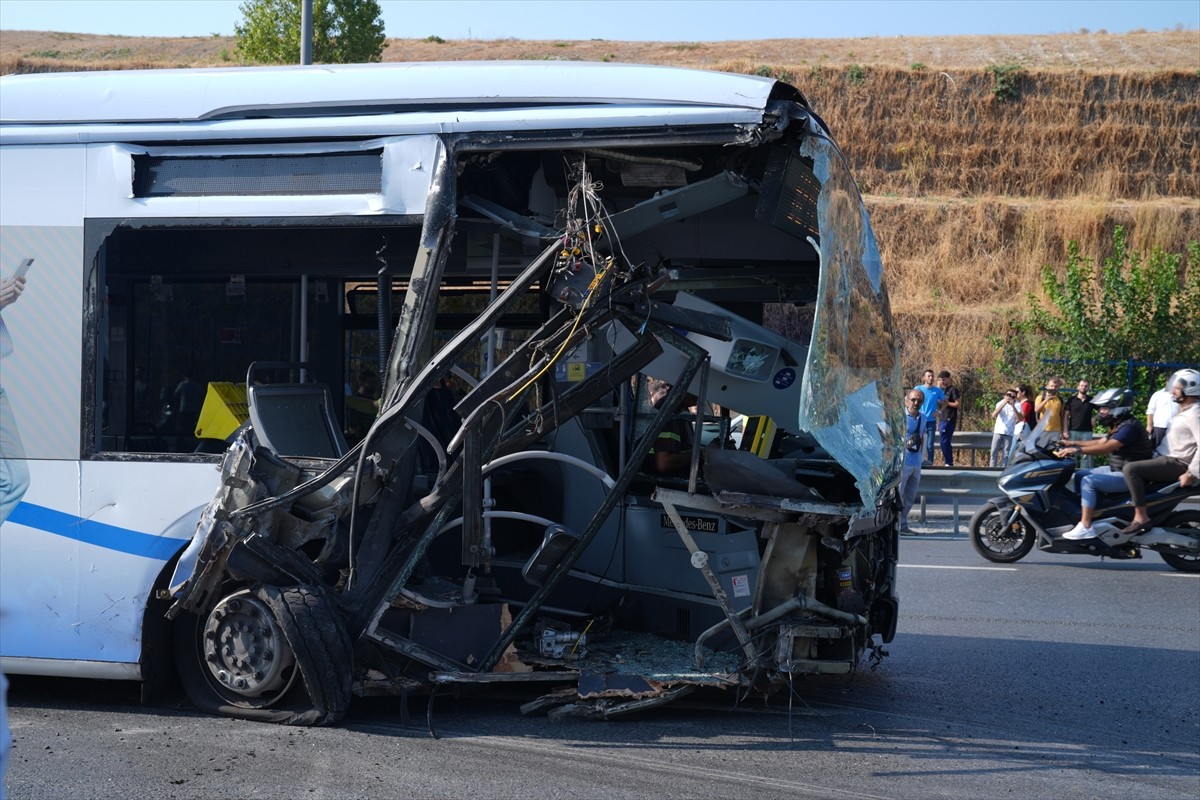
957	267
1104	136
970	196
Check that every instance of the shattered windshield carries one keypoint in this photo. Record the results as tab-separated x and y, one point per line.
850	400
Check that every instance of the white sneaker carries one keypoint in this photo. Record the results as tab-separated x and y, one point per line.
1080	532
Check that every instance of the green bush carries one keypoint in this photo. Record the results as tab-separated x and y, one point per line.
1004	81
855	75
1133	306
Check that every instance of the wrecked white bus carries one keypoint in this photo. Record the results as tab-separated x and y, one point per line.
200	480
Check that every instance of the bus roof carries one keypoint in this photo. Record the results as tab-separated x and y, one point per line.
244	93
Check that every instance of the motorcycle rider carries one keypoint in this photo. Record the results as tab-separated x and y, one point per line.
1178	456
1127	442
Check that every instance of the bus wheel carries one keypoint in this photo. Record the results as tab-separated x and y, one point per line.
269	654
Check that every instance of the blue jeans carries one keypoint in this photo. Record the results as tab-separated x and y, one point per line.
1001	447
5	731
14	474
946	439
1100	479
910	481
930	438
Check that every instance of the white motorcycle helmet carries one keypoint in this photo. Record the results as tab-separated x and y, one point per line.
1190	380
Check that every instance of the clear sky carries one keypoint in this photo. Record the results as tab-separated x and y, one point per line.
651	20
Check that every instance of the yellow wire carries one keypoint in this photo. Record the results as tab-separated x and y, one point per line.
586	628
586	301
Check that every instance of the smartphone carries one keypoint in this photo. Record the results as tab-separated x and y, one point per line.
23	267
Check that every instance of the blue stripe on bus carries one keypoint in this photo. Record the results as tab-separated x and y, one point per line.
110	537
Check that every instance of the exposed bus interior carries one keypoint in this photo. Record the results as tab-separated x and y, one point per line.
492	514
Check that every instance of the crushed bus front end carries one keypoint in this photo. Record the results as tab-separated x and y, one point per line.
500	522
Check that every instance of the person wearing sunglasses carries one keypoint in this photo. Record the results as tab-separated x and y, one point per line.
914	445
1006	416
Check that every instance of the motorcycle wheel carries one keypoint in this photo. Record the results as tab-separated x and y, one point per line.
1184	562
997	542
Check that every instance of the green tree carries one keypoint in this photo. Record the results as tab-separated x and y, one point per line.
1133	306
344	31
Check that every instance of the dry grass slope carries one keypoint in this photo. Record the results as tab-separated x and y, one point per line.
979	157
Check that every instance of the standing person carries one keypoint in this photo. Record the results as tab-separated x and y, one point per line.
915	432
931	408
1006	415
1049	404
1159	411
187	401
14	474
950	417
1026	421
1079	419
1178	456
1125	443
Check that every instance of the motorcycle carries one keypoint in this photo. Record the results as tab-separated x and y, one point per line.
1041	503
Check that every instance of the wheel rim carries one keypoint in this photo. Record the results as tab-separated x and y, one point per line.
1000	538
246	657
1184	555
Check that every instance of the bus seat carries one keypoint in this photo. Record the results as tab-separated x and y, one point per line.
296	419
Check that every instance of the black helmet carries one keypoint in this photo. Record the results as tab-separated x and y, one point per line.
1118	402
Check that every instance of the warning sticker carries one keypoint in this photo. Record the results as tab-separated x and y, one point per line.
741	585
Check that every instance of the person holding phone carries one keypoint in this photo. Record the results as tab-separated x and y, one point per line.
1006	416
1050	404
14	474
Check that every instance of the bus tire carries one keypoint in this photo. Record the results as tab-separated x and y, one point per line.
268	654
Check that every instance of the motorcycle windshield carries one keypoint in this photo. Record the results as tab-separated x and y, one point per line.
1038	440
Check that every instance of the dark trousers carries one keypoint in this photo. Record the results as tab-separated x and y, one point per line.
1163	468
948	434
1157	434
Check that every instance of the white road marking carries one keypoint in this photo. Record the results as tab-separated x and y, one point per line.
938	566
1182	574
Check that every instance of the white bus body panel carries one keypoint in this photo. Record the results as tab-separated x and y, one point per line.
82	551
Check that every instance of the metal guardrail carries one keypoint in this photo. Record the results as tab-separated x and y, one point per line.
974	442
956	484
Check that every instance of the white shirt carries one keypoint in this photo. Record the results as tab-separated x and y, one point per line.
1162	407
1006	418
1183	439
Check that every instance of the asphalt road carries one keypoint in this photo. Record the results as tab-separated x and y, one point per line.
1055	677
